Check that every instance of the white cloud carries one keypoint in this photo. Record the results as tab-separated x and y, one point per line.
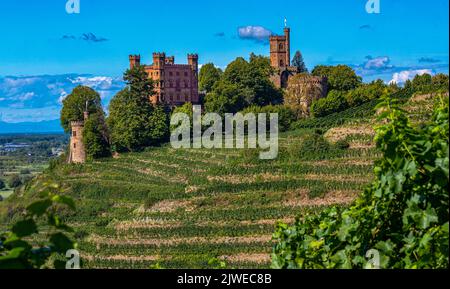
257	33
380	62
96	81
403	76
26	96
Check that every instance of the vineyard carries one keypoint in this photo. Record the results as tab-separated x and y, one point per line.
185	208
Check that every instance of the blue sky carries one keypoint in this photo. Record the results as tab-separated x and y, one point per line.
40	39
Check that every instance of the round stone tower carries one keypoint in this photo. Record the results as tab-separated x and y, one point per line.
77	150
303	89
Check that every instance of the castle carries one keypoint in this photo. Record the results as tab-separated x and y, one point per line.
174	84
301	89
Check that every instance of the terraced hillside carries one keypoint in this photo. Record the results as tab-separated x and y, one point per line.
182	208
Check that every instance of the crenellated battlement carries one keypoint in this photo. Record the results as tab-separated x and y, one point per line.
77	123
159	55
135	60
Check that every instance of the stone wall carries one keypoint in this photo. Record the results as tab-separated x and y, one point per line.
302	90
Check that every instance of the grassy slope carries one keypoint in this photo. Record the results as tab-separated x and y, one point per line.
180	208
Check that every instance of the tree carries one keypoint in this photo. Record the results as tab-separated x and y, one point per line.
244	84
440	80
334	102
2	184
159	125
340	77
421	80
298	62
139	84
186	108
226	98
14	181
133	121
74	105
129	122
96	137
367	92
260	71
208	76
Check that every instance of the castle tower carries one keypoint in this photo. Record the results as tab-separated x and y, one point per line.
159	62
135	60
159	59
77	152
287	34
280	50
193	62
170	60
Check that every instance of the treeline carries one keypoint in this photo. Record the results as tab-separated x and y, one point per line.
244	86
346	89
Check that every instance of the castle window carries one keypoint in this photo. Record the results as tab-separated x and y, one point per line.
281	63
74	145
74	133
170	73
281	46
178	74
185	73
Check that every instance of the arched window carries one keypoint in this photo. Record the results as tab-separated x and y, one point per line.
281	46
281	63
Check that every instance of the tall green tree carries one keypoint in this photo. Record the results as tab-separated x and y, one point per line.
243	84
298	62
422	80
15	181
96	137
74	105
133	121
340	77
208	76
440	80
226	98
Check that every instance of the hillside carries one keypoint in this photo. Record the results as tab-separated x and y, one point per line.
181	208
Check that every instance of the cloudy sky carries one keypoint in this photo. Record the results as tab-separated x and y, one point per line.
45	51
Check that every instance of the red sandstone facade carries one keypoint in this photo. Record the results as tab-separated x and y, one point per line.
280	58
280	49
175	84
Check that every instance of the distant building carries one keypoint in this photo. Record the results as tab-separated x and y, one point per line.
175	84
280	58
77	152
301	88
